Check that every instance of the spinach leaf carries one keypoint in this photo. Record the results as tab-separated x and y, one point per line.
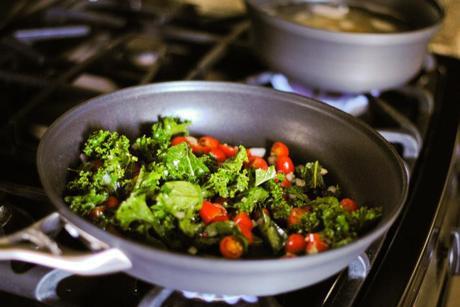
264	175
134	209
181	199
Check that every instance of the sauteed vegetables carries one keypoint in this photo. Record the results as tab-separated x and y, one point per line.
203	196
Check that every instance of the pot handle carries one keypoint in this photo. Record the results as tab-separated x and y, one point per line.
46	252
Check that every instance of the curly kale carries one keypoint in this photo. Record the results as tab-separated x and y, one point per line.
337	224
251	198
159	190
82	204
230	178
277	204
166	128
145	147
181	164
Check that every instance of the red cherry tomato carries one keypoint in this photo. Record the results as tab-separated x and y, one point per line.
349	204
197	148
208	141
258	162
111	202
247	233
230	247
229	151
315	244
217	154
284	165
244	223
178	139
243	220
295	216
295	244
210	212
248	154
279	149
286	183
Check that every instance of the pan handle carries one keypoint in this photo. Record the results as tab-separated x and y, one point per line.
46	252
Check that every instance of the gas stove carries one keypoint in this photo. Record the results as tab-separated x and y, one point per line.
61	53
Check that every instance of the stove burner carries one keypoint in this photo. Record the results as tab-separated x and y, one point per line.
213	298
354	104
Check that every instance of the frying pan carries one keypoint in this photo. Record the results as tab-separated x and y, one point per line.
365	165
345	62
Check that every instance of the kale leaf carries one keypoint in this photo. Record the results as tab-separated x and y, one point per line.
251	198
277	204
145	147
338	225
112	152
167	127
311	172
272	233
181	164
230	177
83	203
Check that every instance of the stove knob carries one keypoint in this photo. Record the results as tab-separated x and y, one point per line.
454	252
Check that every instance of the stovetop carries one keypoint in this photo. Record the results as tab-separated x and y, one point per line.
64	52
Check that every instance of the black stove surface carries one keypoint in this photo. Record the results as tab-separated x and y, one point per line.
63	53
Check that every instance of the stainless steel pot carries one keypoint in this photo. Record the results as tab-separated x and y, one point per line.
364	164
345	62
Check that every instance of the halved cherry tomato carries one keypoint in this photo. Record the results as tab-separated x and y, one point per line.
248	154
178	139
286	183
197	148
229	151
315	244
217	154
208	141
244	223
284	165
243	220
258	162
295	244
295	216
210	212
111	202
279	149
230	247
349	204
247	233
